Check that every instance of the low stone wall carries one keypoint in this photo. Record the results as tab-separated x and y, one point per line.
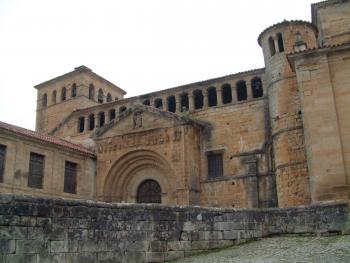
37	229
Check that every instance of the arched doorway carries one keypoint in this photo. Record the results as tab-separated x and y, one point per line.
149	192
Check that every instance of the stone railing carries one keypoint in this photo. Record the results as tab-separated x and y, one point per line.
37	229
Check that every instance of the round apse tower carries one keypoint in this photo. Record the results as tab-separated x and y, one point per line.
285	113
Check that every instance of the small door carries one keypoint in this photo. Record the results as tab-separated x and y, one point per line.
149	192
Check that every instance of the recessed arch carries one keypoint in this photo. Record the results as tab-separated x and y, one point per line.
130	170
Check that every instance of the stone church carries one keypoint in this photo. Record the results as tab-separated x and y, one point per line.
278	136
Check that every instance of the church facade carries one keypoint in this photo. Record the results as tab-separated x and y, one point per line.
278	136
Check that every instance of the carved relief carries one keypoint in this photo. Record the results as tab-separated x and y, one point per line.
137	120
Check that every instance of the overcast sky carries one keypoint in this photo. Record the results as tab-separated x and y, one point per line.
141	46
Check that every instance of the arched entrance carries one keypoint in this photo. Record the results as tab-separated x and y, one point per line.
139	176
149	192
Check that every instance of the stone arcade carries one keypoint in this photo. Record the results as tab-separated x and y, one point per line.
272	137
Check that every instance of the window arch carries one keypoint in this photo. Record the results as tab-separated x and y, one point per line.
198	99
212	97
241	90
101	119
100	96
91	122
257	88
226	91
54	95
109	97
81	124
111	114
91	92
44	100
184	102
272	46
158	103
280	42
146	102
74	90
122	109
63	94
149	192
171	103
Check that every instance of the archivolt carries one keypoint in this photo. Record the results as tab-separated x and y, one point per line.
121	173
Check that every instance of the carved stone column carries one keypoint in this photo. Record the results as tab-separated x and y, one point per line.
178	103
249	89
165	104
234	94
219	96
190	102
205	99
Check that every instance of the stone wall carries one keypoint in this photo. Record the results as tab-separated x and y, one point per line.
36	229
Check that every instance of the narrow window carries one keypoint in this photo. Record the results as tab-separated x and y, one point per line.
91	122
101	119
70	177
100	96
63	94
272	46
280	42
36	170
215	165
241	90
198	99
171	104
212	98
122	109
2	162
184	102
109	97
257	89
54	95
81	124
91	92
45	100
146	102
111	114
158	103
74	90
226	91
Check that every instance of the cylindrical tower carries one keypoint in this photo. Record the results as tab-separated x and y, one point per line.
287	136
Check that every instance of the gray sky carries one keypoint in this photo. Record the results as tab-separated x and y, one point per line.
141	46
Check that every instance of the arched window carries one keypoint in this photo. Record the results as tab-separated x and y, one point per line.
101	119
241	90
63	94
100	96
44	102
111	114
257	88
54	95
212	98
226	91
91	122
280	42
146	102
184	102
81	124
149	192
198	99
158	103
171	104
109	97
122	109
91	92
272	46
74	90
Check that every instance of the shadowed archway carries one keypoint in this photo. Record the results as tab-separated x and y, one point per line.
131	170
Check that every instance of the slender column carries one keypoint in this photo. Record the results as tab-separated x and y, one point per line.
190	101
178	103
275	41
86	125
219	96
205	99
234	94
249	89
165	104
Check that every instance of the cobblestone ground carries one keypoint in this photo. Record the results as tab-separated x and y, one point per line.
331	249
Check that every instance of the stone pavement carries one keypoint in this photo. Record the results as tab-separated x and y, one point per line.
332	249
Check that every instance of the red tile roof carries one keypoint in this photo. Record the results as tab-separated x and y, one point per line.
319	48
46	138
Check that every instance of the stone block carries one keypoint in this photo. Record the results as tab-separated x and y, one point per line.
31	246
7	246
81	257
231	234
51	258
110	257
178	245
155	256
157	246
200	245
136	257
173	255
58	246
13	232
21	258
